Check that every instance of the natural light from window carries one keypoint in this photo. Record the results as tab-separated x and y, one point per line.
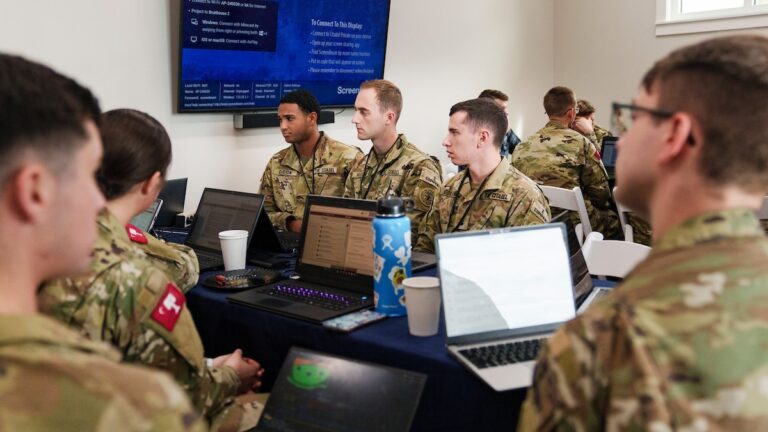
690	6
693	16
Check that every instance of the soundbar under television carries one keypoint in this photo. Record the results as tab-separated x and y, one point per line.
245	55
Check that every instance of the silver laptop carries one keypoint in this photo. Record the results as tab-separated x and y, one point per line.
504	292
145	220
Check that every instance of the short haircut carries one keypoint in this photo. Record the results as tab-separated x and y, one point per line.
306	101
585	108
484	112
387	95
723	84
558	101
493	94
135	147
43	113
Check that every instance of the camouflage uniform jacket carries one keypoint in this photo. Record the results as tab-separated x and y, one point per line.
54	379
405	170
118	301
597	136
561	157
508	198
177	261
287	182
679	345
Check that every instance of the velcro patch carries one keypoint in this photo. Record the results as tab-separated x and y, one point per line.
429	177
499	196
393	172
135	234
327	170
168	309
287	172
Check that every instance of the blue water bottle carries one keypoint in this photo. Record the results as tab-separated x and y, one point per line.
391	255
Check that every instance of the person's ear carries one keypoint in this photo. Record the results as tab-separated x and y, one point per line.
312	118
678	138
31	190
152	185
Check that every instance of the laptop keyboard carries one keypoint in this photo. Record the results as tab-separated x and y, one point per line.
314	297
502	354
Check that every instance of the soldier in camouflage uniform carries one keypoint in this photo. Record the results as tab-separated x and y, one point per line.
561	157
51	378
679	344
585	124
490	193
393	164
313	164
126	299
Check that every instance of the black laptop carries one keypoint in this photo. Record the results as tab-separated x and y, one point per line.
268	240
173	195
608	154
320	392
221	210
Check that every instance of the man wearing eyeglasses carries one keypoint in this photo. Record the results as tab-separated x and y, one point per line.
680	343
559	156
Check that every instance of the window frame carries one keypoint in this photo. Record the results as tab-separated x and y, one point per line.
669	22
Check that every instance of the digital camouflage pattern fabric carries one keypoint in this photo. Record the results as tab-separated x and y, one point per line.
561	157
51	378
177	261
129	303
679	345
287	182
405	170
596	137
507	198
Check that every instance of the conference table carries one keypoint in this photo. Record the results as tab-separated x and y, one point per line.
453	398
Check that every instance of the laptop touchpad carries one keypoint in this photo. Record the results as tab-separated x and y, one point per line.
276	303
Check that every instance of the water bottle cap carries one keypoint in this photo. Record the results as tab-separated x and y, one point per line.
390	206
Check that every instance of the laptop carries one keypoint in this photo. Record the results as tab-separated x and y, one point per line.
334	267
268	240
173	195
221	210
608	154
145	220
320	392
504	292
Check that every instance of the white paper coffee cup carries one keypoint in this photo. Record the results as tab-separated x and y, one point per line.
422	300
234	245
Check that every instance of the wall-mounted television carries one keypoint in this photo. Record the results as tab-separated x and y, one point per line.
244	55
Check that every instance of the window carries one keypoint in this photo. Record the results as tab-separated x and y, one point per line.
694	16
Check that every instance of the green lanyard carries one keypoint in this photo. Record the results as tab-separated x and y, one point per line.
301	165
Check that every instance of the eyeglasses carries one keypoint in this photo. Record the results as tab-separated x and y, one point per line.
622	116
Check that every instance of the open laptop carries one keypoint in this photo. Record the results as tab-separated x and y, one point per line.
173	195
320	392
608	154
145	220
221	210
504	292
268	240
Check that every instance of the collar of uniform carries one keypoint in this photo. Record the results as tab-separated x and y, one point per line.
109	224
710	226
554	124
26	329
400	144
291	161
496	179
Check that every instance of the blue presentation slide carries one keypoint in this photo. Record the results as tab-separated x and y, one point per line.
245	54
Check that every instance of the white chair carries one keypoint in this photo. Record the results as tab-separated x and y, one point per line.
570	199
626	228
611	257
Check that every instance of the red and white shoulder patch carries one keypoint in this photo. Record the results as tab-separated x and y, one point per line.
168	309
135	234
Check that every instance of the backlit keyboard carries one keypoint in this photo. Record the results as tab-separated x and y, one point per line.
314	297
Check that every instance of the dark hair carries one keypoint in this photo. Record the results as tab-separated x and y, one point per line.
493	94
585	108
484	112
387	94
42	111
558	101
306	101
135	147
723	84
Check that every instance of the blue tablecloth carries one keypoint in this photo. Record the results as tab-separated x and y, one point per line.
453	398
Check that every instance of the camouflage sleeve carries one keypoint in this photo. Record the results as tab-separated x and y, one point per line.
422	184
177	261
277	217
597	195
531	209
135	330
564	392
429	226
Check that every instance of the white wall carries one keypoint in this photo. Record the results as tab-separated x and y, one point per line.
604	47
439	52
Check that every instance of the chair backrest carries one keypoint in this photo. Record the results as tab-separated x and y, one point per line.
612	257
626	228
570	199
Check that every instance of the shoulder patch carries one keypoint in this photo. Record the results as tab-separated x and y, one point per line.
135	234
429	177
597	155
168	309
499	196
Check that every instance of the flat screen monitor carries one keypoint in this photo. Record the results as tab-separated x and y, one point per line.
245	55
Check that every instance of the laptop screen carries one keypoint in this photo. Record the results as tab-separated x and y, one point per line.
173	195
319	392
339	236
609	153
221	210
505	279
145	219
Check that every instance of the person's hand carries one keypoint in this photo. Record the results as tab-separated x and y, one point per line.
583	125
294	225
248	370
